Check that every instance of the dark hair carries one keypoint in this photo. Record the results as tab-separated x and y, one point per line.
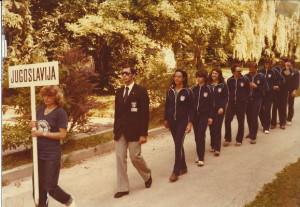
184	75
233	67
285	59
267	60
132	68
202	73
252	64
219	71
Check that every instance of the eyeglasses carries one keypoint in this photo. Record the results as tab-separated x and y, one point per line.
126	73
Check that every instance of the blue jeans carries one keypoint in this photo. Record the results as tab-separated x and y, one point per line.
48	180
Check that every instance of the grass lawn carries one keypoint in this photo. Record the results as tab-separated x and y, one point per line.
284	191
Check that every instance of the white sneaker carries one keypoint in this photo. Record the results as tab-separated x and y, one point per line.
200	163
267	132
289	123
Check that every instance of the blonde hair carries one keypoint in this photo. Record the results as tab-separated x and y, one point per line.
53	91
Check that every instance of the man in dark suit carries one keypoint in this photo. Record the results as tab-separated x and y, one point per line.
130	130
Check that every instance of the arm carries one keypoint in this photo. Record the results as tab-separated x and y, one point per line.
224	99
211	102
116	112
144	109
51	135
166	107
295	84
190	112
296	80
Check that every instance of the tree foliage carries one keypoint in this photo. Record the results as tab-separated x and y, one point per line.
136	31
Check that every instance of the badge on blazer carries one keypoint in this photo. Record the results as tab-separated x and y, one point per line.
242	84
205	94
269	75
182	98
133	107
219	90
258	81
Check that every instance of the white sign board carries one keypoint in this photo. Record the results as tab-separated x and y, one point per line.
40	74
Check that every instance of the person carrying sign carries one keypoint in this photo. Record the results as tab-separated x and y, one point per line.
51	123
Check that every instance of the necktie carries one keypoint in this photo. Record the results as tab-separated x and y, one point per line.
126	94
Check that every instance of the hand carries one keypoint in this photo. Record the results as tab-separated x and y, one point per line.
221	111
210	121
166	124
36	133
189	127
253	85
143	139
294	93
32	124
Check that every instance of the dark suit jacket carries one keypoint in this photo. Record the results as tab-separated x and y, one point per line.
132	116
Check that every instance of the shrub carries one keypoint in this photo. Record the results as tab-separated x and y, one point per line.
16	135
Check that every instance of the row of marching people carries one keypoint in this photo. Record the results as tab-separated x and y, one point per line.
213	99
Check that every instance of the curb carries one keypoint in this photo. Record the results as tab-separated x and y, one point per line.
73	157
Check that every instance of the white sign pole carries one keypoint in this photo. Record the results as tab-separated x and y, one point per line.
32	75
34	150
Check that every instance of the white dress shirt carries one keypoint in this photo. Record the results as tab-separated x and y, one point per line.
129	88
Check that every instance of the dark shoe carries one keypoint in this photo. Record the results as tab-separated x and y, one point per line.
183	171
282	127
120	194
217	153
273	126
252	141
248	136
173	178
148	183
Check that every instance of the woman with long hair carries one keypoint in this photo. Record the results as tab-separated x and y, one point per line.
220	99
51	124
178	118
202	103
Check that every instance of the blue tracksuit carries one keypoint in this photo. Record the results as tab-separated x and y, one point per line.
178	112
288	84
291	99
254	103
220	99
277	96
273	79
203	107
239	91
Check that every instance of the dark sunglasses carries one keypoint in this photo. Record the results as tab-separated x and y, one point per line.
126	73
